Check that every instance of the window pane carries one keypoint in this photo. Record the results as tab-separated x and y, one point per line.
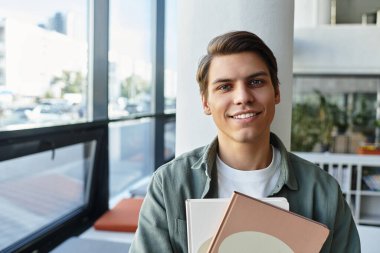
130	57
43	62
356	11
170	55
31	197
335	113
169	139
130	152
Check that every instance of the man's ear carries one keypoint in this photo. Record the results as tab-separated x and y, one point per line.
205	106
277	95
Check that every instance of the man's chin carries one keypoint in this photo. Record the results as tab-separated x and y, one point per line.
246	139
250	138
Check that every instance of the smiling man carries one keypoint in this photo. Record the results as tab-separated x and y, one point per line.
240	89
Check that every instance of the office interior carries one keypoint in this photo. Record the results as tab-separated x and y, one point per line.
95	95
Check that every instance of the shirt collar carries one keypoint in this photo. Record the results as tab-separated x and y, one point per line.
287	176
208	158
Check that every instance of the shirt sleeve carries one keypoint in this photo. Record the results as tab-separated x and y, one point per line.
345	237
152	234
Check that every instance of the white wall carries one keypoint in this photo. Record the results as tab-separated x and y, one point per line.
340	49
199	22
311	13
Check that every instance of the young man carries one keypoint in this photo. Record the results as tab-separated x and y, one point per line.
240	89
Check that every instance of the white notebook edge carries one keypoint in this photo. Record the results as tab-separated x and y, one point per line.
189	241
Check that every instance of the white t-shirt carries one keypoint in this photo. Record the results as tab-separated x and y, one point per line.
255	183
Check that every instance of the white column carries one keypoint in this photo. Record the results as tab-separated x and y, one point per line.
311	13
199	22
324	12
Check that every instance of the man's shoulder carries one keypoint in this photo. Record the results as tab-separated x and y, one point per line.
184	161
190	157
297	160
183	177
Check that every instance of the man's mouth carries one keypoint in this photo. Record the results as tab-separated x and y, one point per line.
245	115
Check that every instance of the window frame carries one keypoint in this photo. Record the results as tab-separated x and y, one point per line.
49	138
47	238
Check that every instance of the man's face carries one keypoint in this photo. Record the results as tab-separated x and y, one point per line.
241	98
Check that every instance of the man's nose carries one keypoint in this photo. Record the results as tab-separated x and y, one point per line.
242	94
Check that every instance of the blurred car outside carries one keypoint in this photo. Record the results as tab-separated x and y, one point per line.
52	110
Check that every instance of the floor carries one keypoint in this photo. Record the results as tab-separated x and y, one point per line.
105	235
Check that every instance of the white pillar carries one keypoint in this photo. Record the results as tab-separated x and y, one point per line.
324	12
311	13
199	22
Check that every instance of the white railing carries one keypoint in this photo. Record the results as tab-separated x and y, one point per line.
359	178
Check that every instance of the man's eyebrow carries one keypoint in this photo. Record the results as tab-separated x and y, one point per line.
226	80
221	80
260	73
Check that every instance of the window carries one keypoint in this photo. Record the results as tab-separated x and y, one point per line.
130	85
34	196
130	58
356	11
43	63
49	177
131	153
169	138
335	113
141	135
170	92
130	133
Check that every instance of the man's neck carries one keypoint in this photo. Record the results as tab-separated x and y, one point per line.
245	156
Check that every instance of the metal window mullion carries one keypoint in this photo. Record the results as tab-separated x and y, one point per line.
158	83
98	59
158	56
98	98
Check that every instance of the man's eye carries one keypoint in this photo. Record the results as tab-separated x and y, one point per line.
255	82
224	87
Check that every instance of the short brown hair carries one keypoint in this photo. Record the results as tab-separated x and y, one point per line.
233	43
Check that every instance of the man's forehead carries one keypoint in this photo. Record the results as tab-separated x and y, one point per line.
246	63
252	57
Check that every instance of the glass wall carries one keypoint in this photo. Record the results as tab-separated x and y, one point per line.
131	153
130	57
335	113
36	190
43	62
49	76
169	139
170	92
133	91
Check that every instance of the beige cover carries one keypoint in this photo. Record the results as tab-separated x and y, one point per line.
205	215
251	225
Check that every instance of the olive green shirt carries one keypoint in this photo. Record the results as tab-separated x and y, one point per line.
310	191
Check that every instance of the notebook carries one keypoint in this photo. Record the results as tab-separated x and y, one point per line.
204	217
250	223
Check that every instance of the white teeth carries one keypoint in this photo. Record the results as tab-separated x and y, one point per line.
244	116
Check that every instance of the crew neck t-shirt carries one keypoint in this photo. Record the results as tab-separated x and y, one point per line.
255	183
